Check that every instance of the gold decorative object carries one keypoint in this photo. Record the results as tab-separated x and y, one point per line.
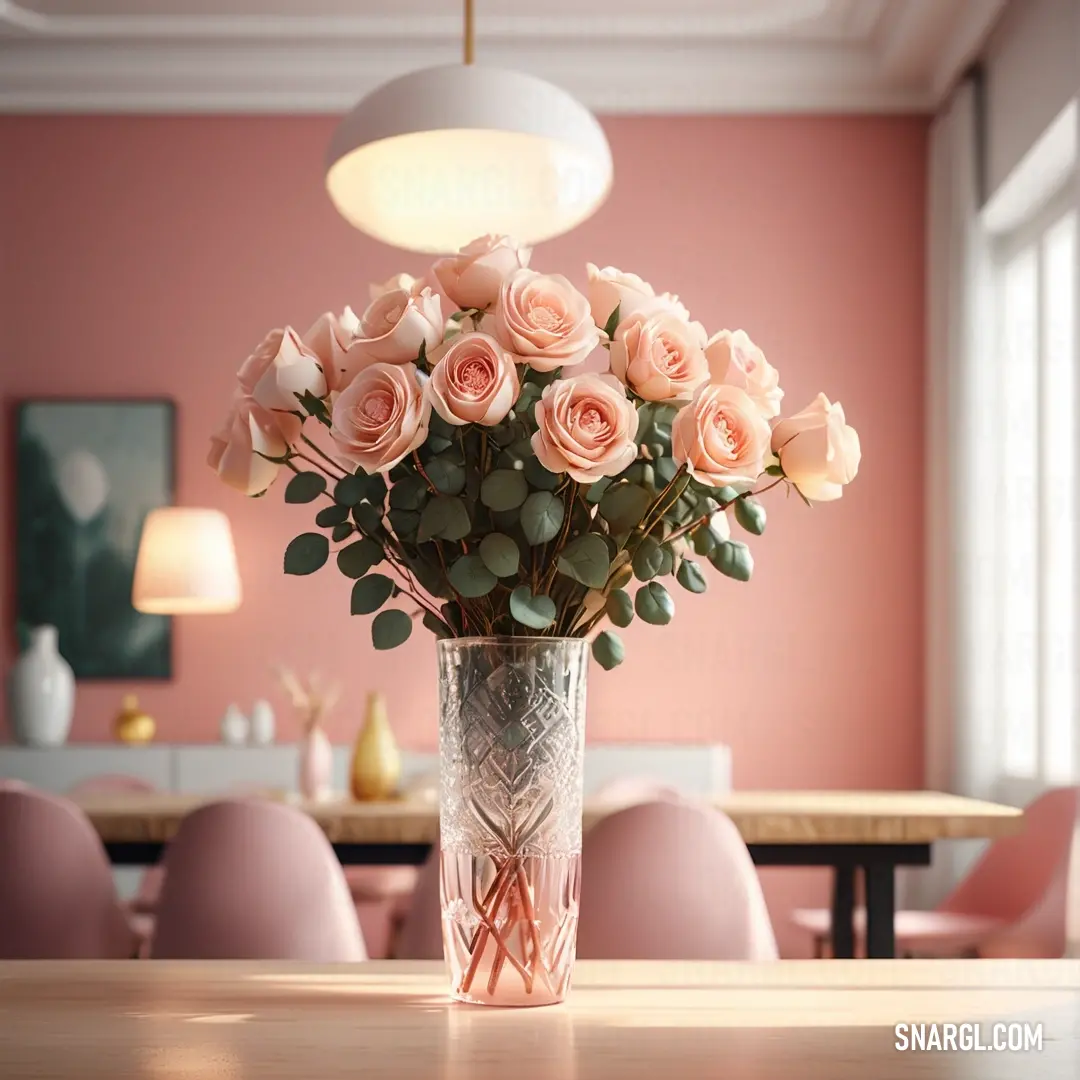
132	725
376	762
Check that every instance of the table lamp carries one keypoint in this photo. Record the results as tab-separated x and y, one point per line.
186	564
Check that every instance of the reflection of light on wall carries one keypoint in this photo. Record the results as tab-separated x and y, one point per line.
201	1062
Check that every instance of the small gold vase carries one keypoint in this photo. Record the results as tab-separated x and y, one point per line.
132	725
376	762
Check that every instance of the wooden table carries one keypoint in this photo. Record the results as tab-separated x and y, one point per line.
871	832
793	1020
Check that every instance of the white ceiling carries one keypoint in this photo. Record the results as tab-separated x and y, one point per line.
617	56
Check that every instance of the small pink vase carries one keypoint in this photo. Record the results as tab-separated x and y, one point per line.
316	765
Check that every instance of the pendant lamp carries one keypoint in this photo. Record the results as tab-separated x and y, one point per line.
441	156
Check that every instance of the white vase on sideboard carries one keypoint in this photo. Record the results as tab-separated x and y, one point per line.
41	692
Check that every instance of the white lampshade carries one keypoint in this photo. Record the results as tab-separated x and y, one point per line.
437	158
186	564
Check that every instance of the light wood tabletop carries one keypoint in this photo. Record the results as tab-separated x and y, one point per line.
794	1020
762	817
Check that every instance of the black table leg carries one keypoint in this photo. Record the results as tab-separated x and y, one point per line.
880	911
843	912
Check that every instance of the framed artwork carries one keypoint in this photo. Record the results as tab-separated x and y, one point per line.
87	472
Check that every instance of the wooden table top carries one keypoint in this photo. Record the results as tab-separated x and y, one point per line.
793	1020
762	817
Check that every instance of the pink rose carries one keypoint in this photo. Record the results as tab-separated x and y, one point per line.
330	337
734	359
586	427
411	285
544	321
279	369
473	277
251	431
610	288
721	437
393	328
381	416
817	449
660	356
474	381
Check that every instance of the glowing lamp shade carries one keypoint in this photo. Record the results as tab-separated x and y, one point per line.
442	156
186	564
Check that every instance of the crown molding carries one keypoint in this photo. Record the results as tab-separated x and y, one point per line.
693	64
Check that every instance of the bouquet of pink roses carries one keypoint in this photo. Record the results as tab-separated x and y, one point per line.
467	466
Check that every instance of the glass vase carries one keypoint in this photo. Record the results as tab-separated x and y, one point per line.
511	743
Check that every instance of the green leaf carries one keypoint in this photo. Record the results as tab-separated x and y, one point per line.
539	477
703	539
370	593
654	605
586	560
667	561
648	559
409	493
750	514
596	492
542	517
307	553
690	576
447	474
774	470
471	578
342	532
620	608
445	517
404	522
329	516
665	469
733	560
623	506
501	554
305	487
351	489
436	626
726	495
375	489
358	558
389	629
535	612
314	406
608	650
612	322
367	517
504	489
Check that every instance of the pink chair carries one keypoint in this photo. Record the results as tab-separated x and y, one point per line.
670	880
420	936
252	880
381	895
57	898
1012	904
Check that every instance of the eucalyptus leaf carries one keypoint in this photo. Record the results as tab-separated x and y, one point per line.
471	578
620	577
542	517
733	560
648	559
409	494
447	474
665	469
332	515
623	506
750	514
535	612
404	522
367	517
726	495
370	593
436	626
343	531
438	443
501	554
504	489
620	608
596	492
539	477
306	553
359	557
350	489
586	560
444	516
667	561
305	487
608	650
389	629
654	605
703	540
690	576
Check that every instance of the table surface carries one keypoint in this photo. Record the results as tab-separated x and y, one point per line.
810	1020
762	817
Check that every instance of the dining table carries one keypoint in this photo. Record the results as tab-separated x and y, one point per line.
622	1020
871	833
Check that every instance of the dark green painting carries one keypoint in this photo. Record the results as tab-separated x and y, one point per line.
87	474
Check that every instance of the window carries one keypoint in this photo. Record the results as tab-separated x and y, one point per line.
1037	690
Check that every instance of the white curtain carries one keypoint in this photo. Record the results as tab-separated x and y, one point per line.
960	742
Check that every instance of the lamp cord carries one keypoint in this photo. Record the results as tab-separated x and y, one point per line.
469	31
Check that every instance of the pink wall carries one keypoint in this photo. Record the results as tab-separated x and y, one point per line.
147	256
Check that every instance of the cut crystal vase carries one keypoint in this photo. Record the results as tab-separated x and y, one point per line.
511	742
